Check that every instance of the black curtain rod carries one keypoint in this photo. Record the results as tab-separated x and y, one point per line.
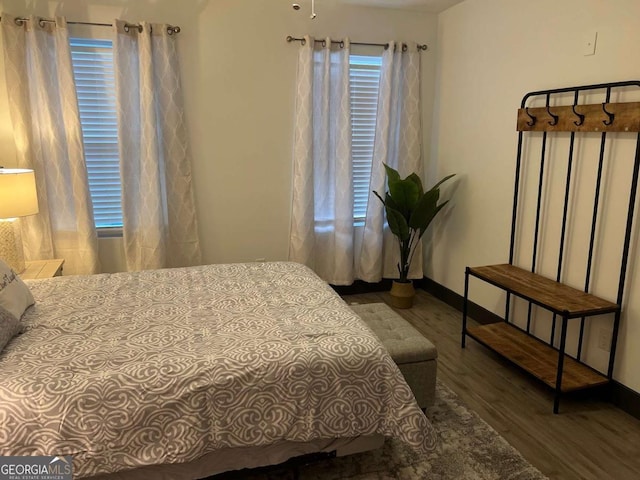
290	39
171	29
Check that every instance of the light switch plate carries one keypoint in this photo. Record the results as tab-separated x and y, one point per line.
589	43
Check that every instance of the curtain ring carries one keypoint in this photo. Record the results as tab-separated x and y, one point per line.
20	21
171	29
386	46
404	47
303	41
41	22
342	44
127	27
324	43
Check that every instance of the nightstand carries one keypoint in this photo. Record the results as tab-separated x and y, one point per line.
43	269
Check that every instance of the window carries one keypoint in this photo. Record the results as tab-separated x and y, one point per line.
364	74
95	85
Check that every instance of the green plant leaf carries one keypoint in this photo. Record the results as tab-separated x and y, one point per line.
392	175
406	195
427	207
391	202
423	213
432	216
416	179
397	223
442	181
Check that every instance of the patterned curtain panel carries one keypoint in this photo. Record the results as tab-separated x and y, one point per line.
398	143
48	137
160	228
322	215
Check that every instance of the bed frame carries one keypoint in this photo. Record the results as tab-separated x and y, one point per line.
242	458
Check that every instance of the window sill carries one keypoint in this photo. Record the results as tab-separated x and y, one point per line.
111	232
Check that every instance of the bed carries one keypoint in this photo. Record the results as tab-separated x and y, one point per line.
189	372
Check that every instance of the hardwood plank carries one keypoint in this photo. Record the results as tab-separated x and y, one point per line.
589	440
626	119
536	357
548	293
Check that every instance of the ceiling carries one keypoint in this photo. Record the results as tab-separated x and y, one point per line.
433	6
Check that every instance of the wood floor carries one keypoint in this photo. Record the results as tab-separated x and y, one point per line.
589	439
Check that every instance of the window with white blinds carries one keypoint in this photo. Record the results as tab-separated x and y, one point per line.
95	84
364	72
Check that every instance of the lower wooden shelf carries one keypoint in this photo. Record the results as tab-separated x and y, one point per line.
536	357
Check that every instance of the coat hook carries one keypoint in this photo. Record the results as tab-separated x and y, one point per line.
533	120
579	115
554	117
609	114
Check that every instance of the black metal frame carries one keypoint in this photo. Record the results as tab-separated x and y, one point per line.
608	87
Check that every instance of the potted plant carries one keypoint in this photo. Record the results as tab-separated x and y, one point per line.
409	211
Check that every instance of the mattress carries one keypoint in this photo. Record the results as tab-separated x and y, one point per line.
129	370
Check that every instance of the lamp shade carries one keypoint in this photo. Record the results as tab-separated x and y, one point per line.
18	197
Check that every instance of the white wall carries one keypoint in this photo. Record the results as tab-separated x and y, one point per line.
490	53
239	74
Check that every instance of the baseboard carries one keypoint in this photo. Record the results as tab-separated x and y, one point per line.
618	394
478	313
359	287
455	300
625	399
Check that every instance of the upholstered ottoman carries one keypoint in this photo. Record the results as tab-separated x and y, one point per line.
415	356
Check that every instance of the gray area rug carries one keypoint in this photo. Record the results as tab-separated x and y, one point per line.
469	449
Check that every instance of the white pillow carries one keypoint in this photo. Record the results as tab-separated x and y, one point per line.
15	296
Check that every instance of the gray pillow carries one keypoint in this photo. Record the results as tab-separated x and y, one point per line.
15	296
9	327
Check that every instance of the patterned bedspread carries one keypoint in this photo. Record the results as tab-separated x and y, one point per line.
155	367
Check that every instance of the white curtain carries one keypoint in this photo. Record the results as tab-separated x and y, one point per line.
159	216
322	216
398	143
48	136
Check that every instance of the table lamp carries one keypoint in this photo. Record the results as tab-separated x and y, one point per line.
18	198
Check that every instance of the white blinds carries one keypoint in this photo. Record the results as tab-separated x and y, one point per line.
365	84
95	85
